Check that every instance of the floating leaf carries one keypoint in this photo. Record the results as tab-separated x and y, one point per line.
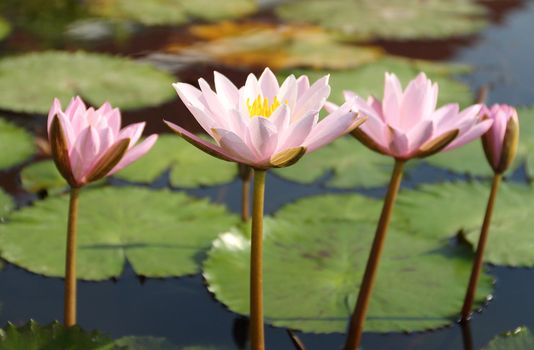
389	19
5	28
161	12
188	168
16	143
32	336
152	343
274	45
315	254
442	210
161	233
352	164
518	339
42	176
96	77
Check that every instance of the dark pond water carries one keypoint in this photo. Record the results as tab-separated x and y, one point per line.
183	311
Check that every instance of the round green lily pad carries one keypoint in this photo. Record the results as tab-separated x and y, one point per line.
96	77
470	159
443	210
42	176
352	165
5	28
161	233
188	167
169	12
389	19
518	339
314	258
53	336
16	142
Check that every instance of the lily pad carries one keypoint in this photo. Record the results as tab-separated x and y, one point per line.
96	77
16	142
470	159
169	12
369	78
152	343
389	19
161	233
518	339
42	176
349	162
443	210
5	28
254	44
188	168
315	254
32	336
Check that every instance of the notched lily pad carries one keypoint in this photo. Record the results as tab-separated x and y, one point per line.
188	167
17	144
389	19
96	77
518	339
42	176
161	233
443	210
172	12
315	254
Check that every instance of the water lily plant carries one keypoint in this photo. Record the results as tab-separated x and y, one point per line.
500	146
404	125
262	125
88	144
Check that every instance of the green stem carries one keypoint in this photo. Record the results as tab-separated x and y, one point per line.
358	316
466	336
70	264
482	240
256	268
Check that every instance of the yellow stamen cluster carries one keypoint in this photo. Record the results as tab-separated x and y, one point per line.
261	107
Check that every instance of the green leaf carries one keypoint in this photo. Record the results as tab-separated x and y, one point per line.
42	176
5	28
151	343
188	167
96	77
161	233
172	12
32	336
518	339
17	144
315	252
352	164
389	19
442	210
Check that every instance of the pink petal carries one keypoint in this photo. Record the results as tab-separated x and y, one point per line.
418	103
419	134
303	84
107	138
188	93
234	147
375	129
135	153
330	107
280	118
75	106
263	137
84	152
470	135
295	135
251	90
201	144
55	109
288	92
313	99
133	132
227	91
391	103
268	84
398	144
114	120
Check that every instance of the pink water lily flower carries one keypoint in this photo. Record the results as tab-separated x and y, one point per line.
501	140
263	124
89	144
406	124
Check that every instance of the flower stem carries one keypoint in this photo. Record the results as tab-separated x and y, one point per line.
482	240
358	316
70	264
466	336
256	268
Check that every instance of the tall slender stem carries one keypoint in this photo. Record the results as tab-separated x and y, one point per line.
70	264
466	335
482	240
358	316
256	268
